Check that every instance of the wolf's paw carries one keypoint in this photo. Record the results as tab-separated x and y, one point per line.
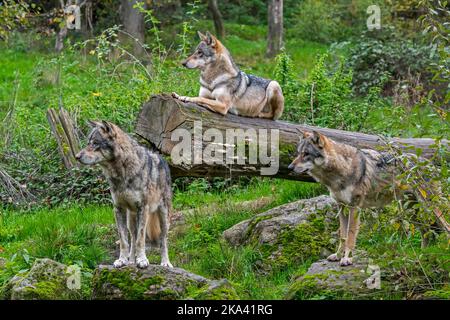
346	261
181	98
142	262
167	264
333	257
175	95
121	262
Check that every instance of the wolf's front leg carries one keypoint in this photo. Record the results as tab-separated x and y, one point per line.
121	222
141	222
352	233
164	217
343	225
131	221
219	105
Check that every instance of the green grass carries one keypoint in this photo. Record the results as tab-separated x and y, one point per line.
285	190
65	234
75	235
84	236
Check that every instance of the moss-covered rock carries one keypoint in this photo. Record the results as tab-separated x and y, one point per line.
216	290
329	280
46	280
441	294
156	283
291	233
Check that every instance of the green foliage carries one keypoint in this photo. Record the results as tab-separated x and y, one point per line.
188	29
331	21
325	98
436	28
76	235
13	15
408	270
244	12
418	121
384	54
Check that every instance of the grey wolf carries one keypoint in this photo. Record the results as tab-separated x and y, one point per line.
356	178
225	88
140	189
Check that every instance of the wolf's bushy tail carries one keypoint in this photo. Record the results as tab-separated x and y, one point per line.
153	227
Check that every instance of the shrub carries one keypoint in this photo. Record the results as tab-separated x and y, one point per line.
330	21
325	98
13	14
384	53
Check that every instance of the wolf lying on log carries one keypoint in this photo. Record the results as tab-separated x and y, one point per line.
165	122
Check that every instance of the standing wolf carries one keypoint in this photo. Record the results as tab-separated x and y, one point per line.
140	188
357	178
224	88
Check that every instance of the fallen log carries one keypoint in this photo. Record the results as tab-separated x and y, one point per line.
162	116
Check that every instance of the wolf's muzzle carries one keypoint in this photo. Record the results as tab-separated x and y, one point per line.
296	169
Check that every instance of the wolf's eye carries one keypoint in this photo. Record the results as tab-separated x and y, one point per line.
200	54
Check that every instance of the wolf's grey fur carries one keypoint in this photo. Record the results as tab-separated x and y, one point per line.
140	187
225	88
356	178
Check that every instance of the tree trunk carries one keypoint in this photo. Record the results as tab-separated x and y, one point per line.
275	21
88	25
217	18
162	115
60	36
134	24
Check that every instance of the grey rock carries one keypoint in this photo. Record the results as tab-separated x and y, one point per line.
266	227
46	280
288	233
236	235
328	279
156	283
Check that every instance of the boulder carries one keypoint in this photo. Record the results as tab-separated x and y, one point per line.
46	280
290	233
328	280
156	283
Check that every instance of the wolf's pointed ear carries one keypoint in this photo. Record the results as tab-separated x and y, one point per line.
201	36
317	139
93	124
211	40
106	126
301	134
